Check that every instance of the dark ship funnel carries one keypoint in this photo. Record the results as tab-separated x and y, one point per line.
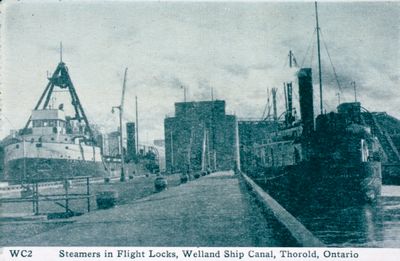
306	100
131	141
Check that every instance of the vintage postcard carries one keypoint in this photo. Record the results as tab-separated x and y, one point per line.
199	130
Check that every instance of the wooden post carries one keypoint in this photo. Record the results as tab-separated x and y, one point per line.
33	198
172	153
88	194
66	195
37	198
137	126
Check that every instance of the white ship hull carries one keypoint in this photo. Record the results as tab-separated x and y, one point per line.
25	161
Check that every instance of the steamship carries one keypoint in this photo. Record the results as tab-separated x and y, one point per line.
53	145
333	159
337	159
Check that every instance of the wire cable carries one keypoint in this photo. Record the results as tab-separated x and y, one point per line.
330	60
308	49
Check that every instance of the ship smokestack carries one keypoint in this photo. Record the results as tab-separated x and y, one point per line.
274	103
306	100
289	112
130	136
290	100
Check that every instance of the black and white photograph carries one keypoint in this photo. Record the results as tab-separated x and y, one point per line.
199	130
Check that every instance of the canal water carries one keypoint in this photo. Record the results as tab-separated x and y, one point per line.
376	225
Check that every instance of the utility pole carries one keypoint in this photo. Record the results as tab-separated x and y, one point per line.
215	160
338	95
319	59
189	153
172	153
137	126
203	150
286	99
24	154
292	60
208	151
355	90
121	111
184	93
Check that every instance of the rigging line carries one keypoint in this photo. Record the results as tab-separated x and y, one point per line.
265	110
330	60
9	121
266	105
327	107
315	98
295	60
312	55
308	49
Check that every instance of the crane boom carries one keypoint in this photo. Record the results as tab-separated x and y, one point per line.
123	90
121	140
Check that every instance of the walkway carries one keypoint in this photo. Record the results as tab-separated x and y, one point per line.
215	210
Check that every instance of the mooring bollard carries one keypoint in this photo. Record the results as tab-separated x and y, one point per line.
160	183
184	178
106	199
196	175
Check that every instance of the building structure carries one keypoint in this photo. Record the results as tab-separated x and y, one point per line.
200	135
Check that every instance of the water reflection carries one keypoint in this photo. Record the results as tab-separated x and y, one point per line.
376	225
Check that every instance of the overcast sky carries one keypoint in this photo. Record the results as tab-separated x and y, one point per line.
238	49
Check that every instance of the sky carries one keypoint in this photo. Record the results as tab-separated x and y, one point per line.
239	50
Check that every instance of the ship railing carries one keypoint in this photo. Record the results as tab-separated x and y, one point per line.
9	188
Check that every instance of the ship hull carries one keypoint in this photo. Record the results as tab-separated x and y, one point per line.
31	169
29	161
391	174
318	183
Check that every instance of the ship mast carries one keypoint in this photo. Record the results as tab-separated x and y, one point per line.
60	52
291	59
287	87
319	60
